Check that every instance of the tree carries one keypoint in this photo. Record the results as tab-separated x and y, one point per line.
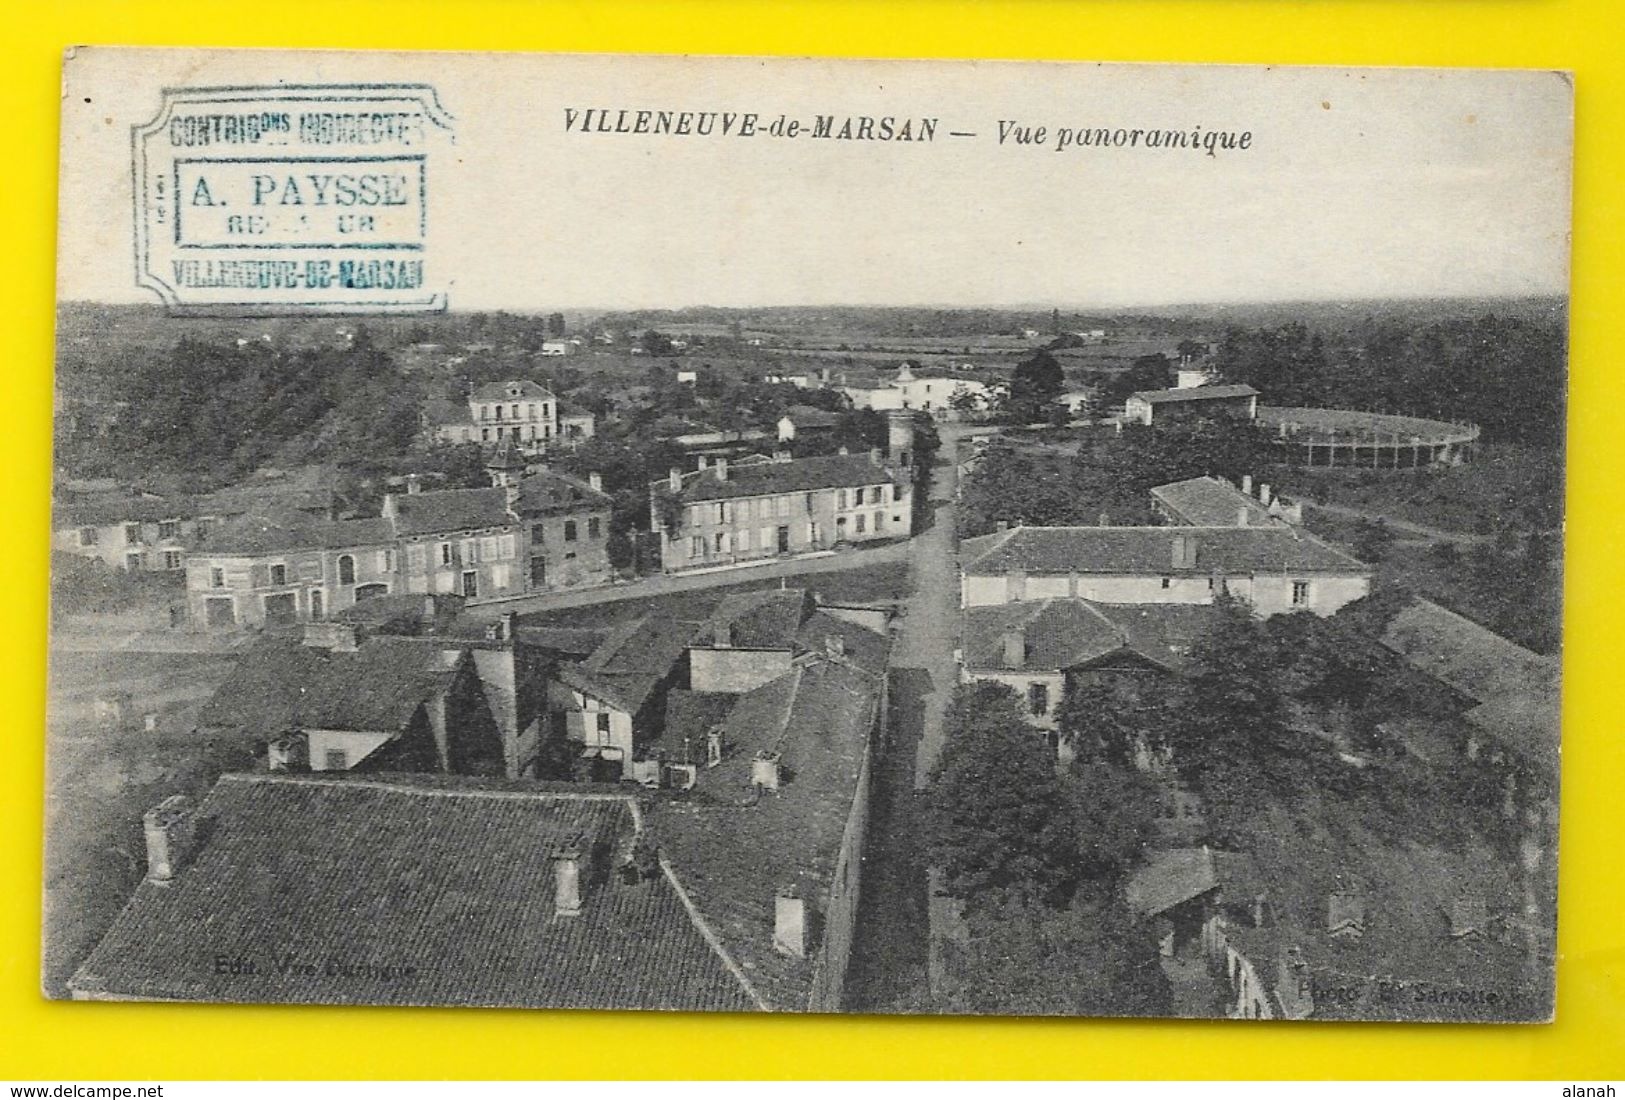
1091	957
1114	809
1146	372
1372	540
1036	383
997	818
555	324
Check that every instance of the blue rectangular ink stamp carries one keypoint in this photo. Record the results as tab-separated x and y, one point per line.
289	199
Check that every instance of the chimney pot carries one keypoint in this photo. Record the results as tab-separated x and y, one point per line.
171	830
790	923
702	462
764	770
1264	494
1247	484
713	746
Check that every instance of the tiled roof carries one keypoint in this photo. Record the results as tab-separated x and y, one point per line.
321	884
805	416
1171	876
1517	689
548	491
108	509
287	531
1195	393
1059	634
498	391
1148	551
733	850
281	685
1210	502
863	648
764	619
447	510
632	660
690	715
797	476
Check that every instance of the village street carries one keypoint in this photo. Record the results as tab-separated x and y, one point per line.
889	969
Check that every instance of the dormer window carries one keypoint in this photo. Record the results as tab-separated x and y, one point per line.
513	391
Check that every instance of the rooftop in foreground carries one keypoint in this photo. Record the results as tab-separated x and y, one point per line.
400	892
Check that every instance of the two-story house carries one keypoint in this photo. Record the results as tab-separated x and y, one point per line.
269	571
520	411
725	513
460	541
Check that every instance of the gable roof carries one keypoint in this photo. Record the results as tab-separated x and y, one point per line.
449	885
1210	502
632	660
761	619
1194	393
281	684
1148	551
733	850
1059	634
806	416
443	511
498	391
796	476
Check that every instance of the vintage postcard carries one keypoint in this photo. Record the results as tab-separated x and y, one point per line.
808	536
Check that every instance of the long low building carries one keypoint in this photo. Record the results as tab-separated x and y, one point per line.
1275	569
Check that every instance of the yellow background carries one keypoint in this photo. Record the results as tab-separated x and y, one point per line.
63	1041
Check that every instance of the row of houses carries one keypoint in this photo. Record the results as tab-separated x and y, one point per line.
530	532
705	854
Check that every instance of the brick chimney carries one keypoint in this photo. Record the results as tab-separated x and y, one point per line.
171	832
790	923
1243	515
1247	484
1264	494
596	480
701	462
567	874
674	480
414	485
722	469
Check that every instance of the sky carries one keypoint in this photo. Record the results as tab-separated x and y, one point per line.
1366	183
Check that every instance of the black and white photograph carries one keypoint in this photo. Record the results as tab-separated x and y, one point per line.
770	535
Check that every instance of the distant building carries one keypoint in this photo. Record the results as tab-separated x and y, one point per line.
805	421
1166	406
906	390
519	411
1275	568
725	513
557	348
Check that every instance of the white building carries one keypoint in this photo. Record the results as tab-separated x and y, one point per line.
910	391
